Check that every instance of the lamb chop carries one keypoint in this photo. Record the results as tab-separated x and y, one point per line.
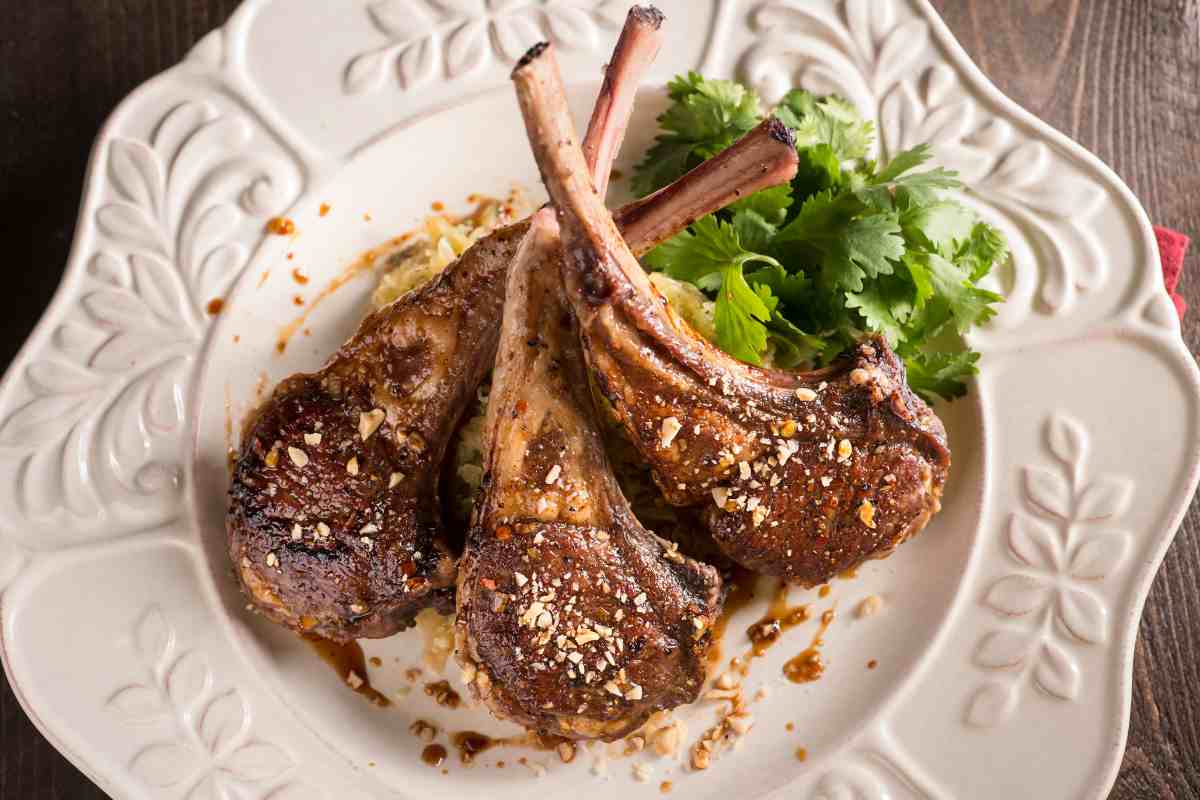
334	522
804	474
573	620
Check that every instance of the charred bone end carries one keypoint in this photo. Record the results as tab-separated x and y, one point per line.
531	55
780	132
648	15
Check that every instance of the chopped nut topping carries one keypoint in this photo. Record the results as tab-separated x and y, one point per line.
845	448
272	560
866	513
788	428
758	515
394	479
720	496
670	429
370	527
358	608
826	480
354	679
322	530
312	439
744	470
298	457
612	688
859	376
369	422
667	739
870	606
352	466
521	579
272	457
297	532
806	395
553	474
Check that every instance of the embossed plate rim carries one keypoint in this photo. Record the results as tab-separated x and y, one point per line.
212	61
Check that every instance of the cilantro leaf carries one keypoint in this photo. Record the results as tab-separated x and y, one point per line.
704	118
982	249
757	218
897	179
704	110
851	246
711	256
819	170
967	304
938	227
885	306
941	374
829	121
740	314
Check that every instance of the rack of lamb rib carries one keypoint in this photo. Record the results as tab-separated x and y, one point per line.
804	474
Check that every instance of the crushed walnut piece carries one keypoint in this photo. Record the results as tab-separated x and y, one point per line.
369	422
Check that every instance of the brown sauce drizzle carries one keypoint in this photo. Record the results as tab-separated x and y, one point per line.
348	660
424	729
741	594
360	266
443	695
872	664
433	755
472	743
767	631
808	666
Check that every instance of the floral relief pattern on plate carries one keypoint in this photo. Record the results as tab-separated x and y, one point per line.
456	38
210	751
1064	546
868	55
98	437
872	771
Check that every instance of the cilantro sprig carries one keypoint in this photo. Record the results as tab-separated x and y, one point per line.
852	246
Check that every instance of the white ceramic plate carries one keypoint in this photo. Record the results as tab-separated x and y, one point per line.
1006	638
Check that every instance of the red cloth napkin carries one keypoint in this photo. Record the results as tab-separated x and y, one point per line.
1172	247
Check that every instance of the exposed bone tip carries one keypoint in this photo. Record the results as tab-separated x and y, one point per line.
648	15
780	132
531	55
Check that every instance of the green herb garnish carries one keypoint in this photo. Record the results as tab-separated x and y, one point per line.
851	246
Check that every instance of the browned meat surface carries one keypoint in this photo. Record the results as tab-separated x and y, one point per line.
339	534
803	474
572	619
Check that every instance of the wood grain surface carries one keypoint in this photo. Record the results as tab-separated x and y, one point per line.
1120	76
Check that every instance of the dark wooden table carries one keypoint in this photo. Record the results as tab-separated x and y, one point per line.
1120	76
